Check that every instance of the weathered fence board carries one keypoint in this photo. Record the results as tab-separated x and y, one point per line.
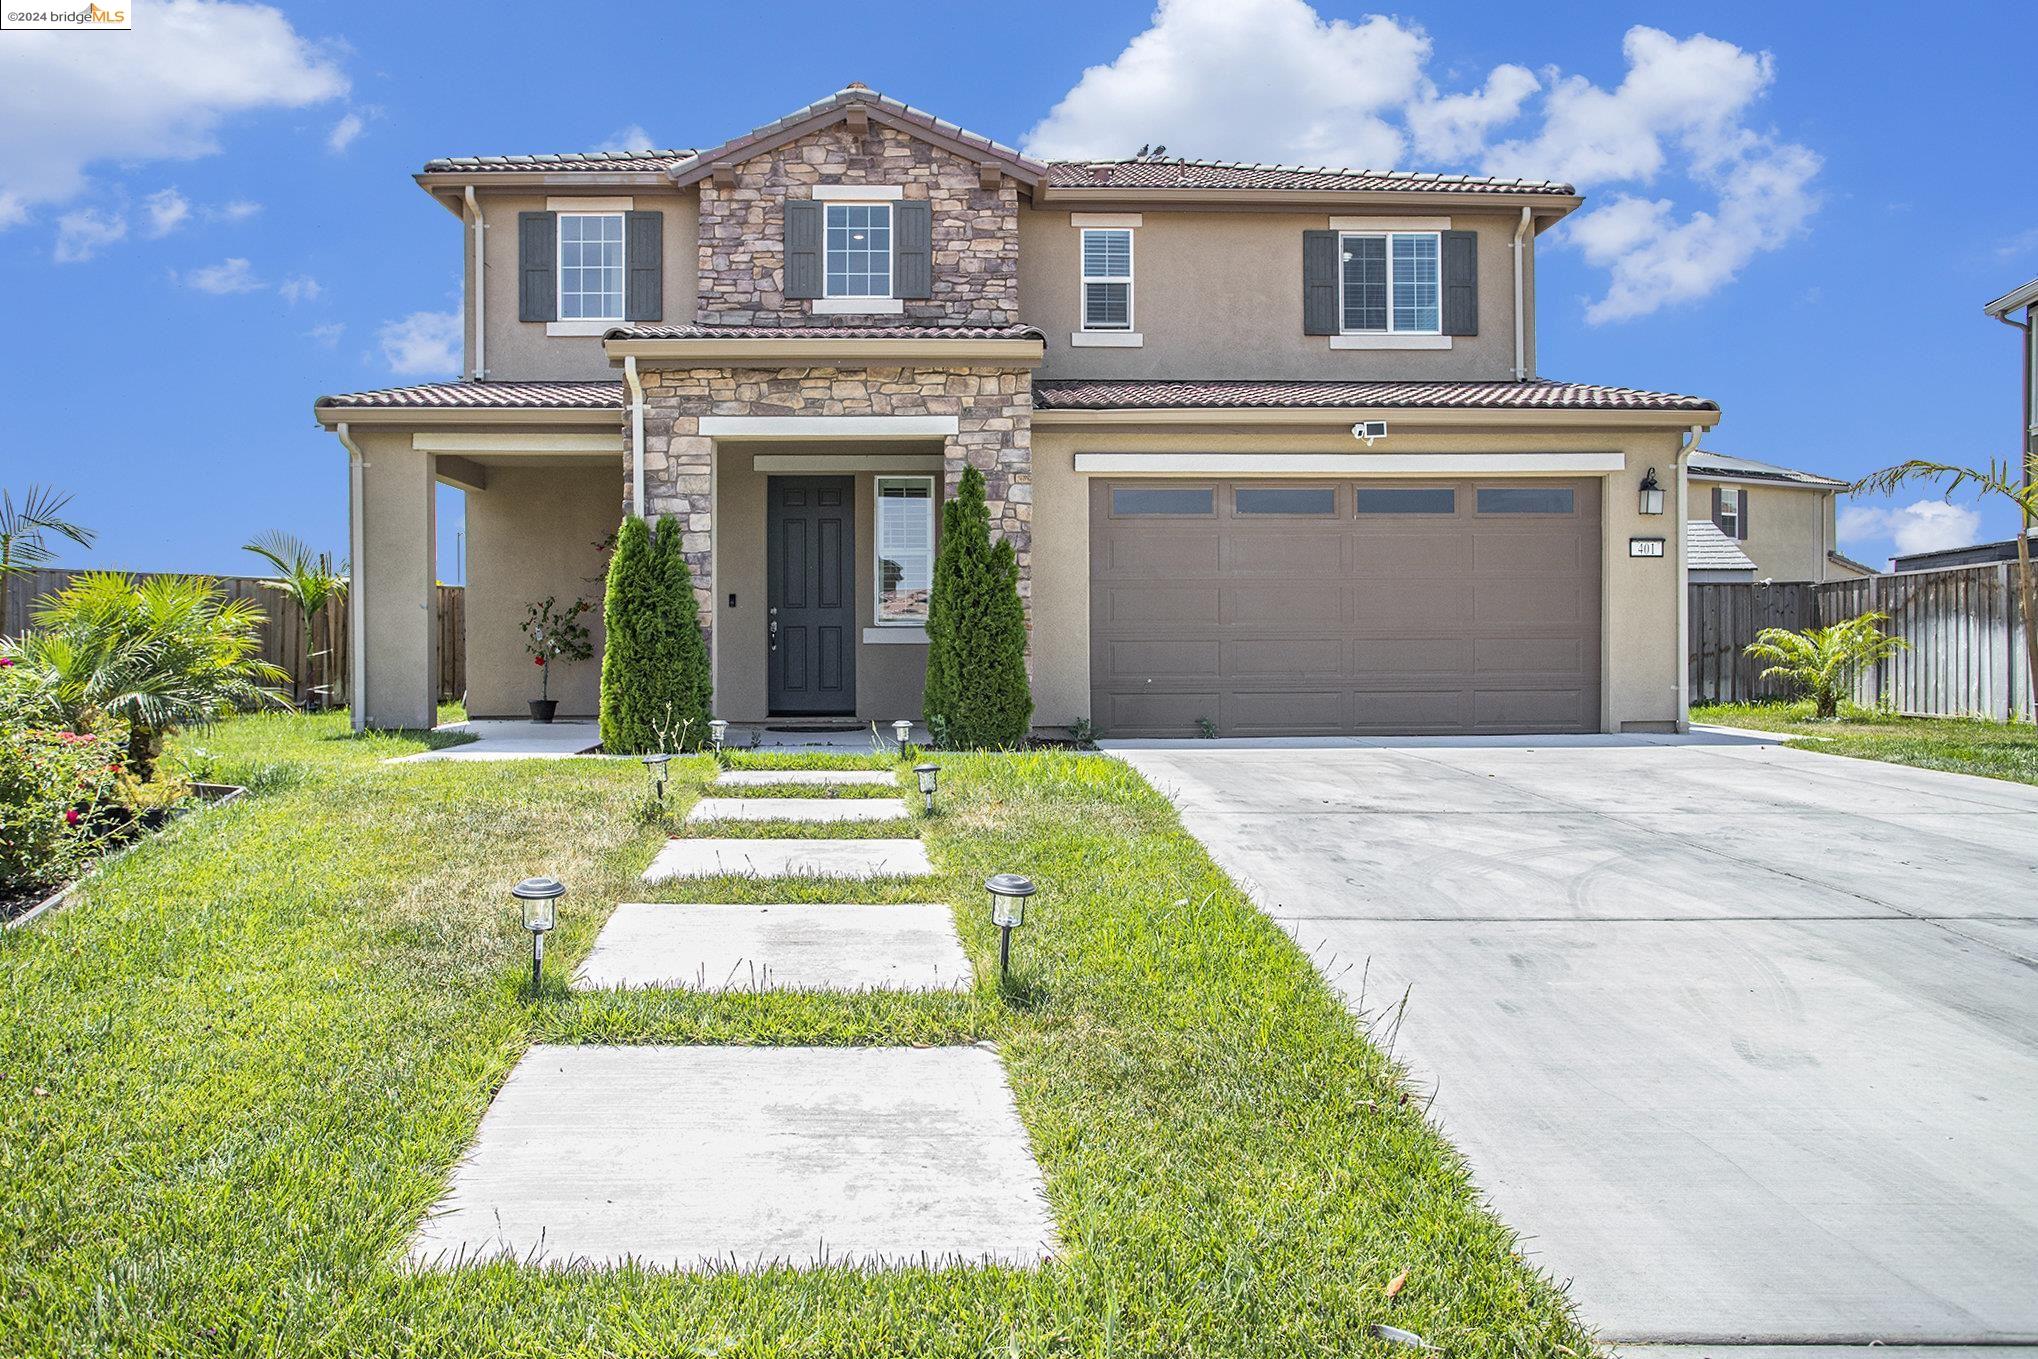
1724	619
285	640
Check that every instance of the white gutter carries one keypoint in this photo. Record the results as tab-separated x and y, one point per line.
1521	299
636	386
1684	452
357	608
478	290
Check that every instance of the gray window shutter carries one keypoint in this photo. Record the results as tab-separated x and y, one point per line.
1461	282
644	254
537	266
1718	504
1319	283
1741	517
912	248
802	248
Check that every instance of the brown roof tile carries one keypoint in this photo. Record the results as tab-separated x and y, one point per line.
1147	173
590	162
592	395
1077	394
901	331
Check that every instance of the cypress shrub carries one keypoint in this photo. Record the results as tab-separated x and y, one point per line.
977	690
655	685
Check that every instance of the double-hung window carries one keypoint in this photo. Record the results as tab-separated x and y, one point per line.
905	548
1107	278
590	266
858	251
1391	283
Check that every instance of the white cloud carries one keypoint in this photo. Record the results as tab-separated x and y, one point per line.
631	138
344	132
167	211
327	335
423	344
238	210
299	288
81	234
227	277
158	93
1692	192
1245	80
1922	526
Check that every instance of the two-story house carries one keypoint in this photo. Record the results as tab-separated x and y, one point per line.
1269	441
1780	522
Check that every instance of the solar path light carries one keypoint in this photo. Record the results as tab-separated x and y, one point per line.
902	732
1008	912
540	898
655	766
718	731
928	773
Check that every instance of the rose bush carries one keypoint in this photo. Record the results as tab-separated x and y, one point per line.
56	798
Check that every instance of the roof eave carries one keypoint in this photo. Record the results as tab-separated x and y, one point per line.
1543	205
441	183
706	161
1480	417
597	417
709	351
2010	301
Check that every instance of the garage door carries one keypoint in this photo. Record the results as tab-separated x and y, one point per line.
1268	608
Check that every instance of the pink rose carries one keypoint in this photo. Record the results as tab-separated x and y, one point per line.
71	817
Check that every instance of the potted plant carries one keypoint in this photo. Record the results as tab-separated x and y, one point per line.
552	634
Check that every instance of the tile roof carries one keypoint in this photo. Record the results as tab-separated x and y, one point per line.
901	331
592	395
1074	394
1708	549
1176	173
757	138
1706	463
590	162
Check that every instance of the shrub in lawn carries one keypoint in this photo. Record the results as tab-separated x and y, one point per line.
1821	663
655	683
977	691
55	790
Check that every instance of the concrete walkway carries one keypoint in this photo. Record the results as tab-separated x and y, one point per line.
817	810
789	859
1743	1039
502	739
783	947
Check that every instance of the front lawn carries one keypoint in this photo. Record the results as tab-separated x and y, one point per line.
1995	750
234	1074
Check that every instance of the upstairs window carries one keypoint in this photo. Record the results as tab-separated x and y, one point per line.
1107	278
859	250
905	548
590	266
1392	283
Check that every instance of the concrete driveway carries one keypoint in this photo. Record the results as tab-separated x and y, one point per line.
1742	1039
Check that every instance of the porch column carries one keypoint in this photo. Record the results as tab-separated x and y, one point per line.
679	480
995	435
395	584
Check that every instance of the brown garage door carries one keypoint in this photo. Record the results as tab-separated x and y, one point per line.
1337	607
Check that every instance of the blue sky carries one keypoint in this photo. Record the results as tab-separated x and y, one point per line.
209	221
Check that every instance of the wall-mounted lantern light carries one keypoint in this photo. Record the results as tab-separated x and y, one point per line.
902	732
928	773
718	731
655	766
1652	493
1008	912
540	898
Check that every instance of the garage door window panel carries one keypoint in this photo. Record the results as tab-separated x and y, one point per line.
1139	502
1318	502
1527	500
1407	500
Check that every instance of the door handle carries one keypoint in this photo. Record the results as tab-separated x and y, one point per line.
774	632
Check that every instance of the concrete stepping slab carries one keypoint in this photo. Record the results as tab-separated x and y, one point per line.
779	947
708	858
691	1157
810	778
816	809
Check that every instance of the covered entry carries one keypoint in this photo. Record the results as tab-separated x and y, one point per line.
1353	607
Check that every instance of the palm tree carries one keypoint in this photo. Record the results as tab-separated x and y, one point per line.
311	581
25	532
2003	479
158	654
1822	662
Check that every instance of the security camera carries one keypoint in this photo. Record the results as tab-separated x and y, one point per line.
1370	430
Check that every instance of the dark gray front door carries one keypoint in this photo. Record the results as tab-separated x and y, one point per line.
810	536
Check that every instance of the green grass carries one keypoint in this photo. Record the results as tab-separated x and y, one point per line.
1995	750
234	1075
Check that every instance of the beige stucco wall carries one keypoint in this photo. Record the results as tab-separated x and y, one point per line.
535	531
1642	648
395	587
1789	531
519	350
889	675
1219	295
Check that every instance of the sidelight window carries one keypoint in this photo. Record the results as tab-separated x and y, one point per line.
905	548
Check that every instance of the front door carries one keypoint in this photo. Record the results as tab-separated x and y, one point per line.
810	536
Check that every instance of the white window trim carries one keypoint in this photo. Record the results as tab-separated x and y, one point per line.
877	551
1107	219
584	206
1084	280
1733	515
1388	236
559	279
597	329
854	304
1375	226
858	193
1106	339
1389	339
897	634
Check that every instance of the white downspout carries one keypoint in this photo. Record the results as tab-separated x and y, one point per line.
478	290
1684	452
636	386
357	604
1521	298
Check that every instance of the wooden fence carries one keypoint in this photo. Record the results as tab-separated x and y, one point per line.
1967	639
285	641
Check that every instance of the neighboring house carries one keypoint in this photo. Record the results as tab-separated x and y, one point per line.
1783	520
1269	441
1980	554
1712	558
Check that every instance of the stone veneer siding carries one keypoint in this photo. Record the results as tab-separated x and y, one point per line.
742	228
993	407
